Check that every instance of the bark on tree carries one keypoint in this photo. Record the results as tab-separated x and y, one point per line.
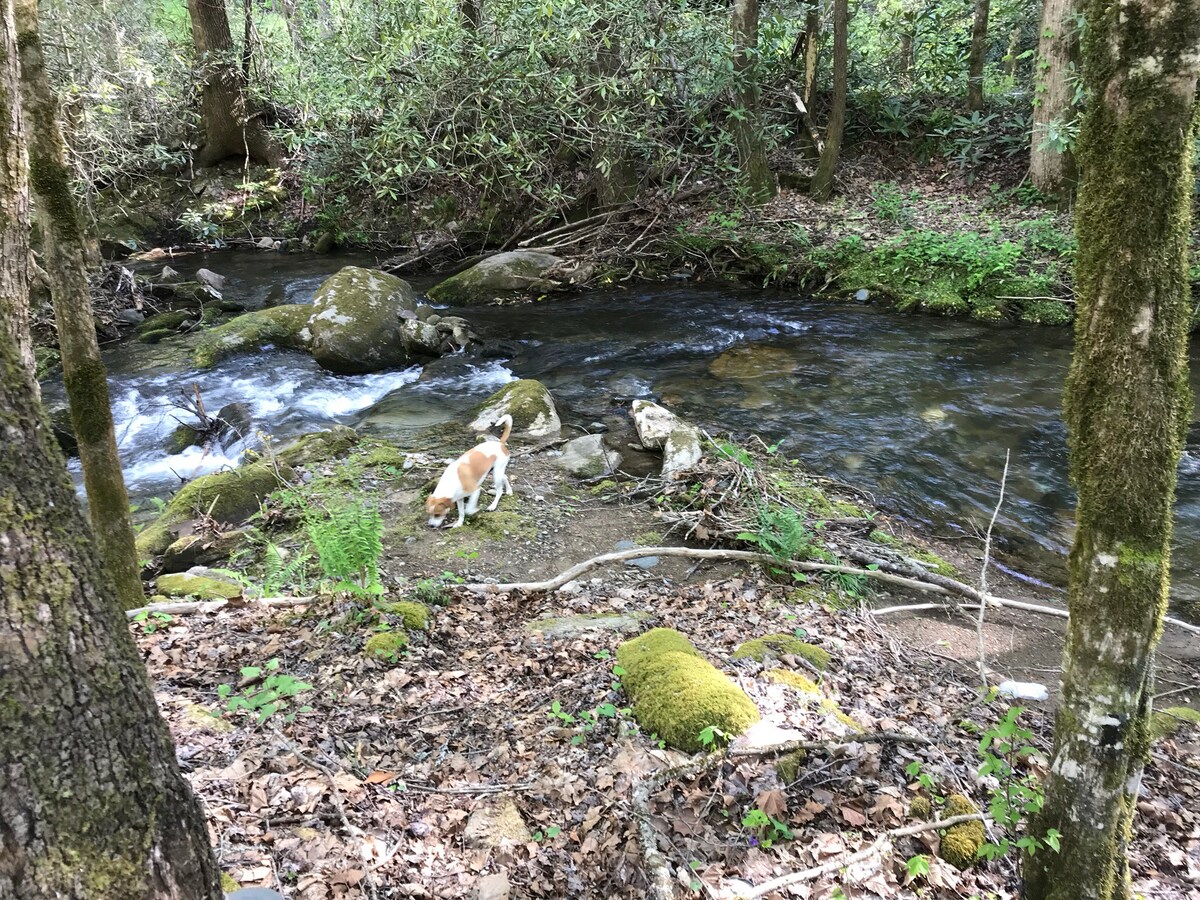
14	210
978	55
83	370
617	175
822	181
472	14
231	128
747	127
1053	172
92	803
812	39
1127	407
291	15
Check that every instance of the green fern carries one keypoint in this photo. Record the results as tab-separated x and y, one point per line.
349	542
781	532
278	573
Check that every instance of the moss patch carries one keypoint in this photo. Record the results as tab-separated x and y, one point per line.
935	563
228	884
961	843
184	585
283	326
782	645
920	809
1165	722
527	401
633	654
386	646
414	615
793	679
788	767
319	446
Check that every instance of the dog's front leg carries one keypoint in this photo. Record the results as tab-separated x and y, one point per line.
461	515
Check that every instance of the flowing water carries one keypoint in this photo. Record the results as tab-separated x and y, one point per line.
919	411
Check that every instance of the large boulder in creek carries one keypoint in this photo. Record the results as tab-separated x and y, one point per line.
504	273
281	326
360	322
659	428
528	402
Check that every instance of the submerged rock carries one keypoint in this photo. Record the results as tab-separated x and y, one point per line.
753	361
283	326
528	402
515	271
357	324
234	423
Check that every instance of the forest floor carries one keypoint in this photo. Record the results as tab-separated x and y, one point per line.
496	757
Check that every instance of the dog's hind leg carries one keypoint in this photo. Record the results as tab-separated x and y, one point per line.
499	481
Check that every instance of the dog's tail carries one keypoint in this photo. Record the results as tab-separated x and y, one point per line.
507	422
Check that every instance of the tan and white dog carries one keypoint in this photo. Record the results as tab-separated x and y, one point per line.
462	482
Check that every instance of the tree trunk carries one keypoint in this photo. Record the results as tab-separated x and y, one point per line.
1051	171
978	55
291	15
617	175
822	181
906	51
83	370
231	129
1127	407
472	14
747	128
14	220
812	39
92	803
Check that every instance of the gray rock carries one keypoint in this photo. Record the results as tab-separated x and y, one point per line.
195	550
211	279
266	243
642	562
586	457
254	893
356	325
574	626
168	274
131	316
504	273
234	424
682	449
493	887
420	338
654	423
492	825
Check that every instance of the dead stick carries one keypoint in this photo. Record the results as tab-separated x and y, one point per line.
206	606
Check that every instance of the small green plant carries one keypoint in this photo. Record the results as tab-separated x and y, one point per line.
917	867
151	621
768	830
267	692
781	532
548	835
890	203
1019	795
713	737
915	770
349	542
279	572
436	591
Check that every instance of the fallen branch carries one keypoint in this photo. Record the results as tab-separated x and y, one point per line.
184	607
831	747
880	848
472	788
1055	611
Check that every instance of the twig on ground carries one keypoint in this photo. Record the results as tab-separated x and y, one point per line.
206	606
472	788
983	577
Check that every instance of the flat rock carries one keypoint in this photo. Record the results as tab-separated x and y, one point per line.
493	824
586	457
493	887
574	626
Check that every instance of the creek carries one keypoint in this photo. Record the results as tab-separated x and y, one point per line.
918	411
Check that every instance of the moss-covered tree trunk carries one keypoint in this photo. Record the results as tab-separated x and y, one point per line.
812	43
978	55
92	803
1127	408
83	371
747	126
822	181
14	211
617	176
231	127
1051	168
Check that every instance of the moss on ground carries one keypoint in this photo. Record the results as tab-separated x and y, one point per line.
386	646
782	645
920	809
414	615
198	586
960	844
1165	722
648	539
527	401
319	446
934	562
787	768
634	653
794	679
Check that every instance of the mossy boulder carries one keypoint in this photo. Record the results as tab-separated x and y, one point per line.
527	401
680	695
505	273
587	457
783	645
414	615
202	550
182	437
386	646
229	497
677	694
318	446
171	320
282	326
184	584
358	319
1165	722
960	844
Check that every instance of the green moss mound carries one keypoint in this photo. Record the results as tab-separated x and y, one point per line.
633	654
198	586
961	843
783	645
1165	722
415	615
793	679
319	446
386	646
920	809
528	402
182	437
283	326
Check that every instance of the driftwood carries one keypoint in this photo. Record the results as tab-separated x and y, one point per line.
185	607
928	582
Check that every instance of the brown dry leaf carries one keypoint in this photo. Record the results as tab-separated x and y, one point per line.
852	817
773	803
828	844
379	776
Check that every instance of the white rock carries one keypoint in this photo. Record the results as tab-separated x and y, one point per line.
682	449
654	423
1023	690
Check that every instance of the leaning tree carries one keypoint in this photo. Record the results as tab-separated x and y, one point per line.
1127	409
